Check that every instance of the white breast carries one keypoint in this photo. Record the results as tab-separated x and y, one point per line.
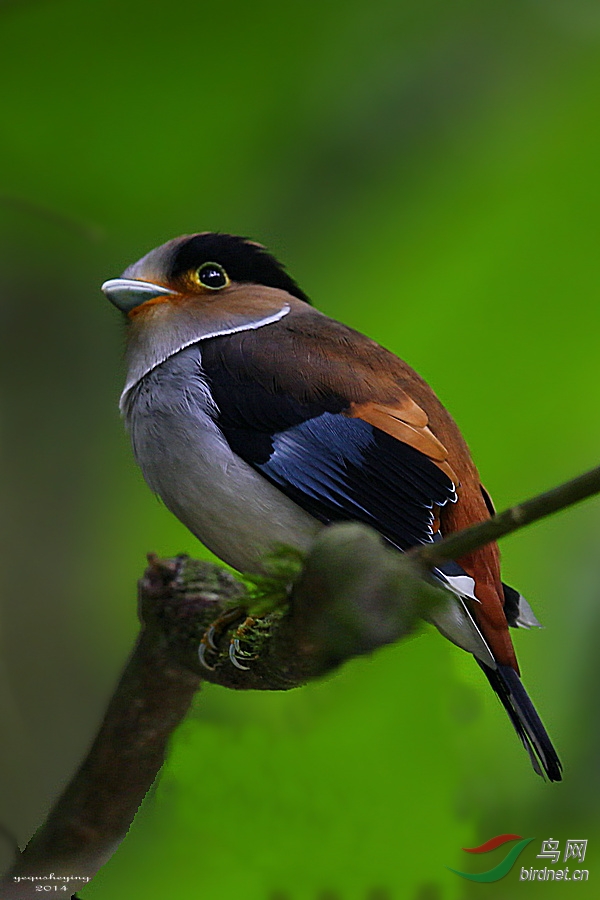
185	459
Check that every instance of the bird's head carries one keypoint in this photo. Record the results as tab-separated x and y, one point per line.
201	269
197	287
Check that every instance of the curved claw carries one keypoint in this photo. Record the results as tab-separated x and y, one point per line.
239	651
202	657
234	658
210	637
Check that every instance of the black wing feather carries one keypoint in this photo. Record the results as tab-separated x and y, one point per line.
339	468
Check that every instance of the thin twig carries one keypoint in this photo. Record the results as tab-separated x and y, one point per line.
457	545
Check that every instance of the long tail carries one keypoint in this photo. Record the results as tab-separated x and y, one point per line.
515	700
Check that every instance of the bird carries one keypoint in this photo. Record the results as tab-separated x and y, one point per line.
259	420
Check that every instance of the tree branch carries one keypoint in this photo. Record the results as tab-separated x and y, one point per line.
352	595
462	542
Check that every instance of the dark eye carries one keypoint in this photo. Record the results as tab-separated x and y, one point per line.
212	275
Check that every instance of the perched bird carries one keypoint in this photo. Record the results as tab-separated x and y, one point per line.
257	419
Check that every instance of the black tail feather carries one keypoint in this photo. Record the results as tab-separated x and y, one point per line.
515	700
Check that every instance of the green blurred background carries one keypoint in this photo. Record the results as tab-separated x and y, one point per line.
430	172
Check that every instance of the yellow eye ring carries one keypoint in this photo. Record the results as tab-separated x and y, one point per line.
212	276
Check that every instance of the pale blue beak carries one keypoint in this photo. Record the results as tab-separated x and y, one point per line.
127	293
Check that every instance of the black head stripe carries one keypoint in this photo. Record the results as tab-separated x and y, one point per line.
244	261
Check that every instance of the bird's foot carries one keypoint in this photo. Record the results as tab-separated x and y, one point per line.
209	642
236	654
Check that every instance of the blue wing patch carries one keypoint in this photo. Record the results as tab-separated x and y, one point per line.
338	468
